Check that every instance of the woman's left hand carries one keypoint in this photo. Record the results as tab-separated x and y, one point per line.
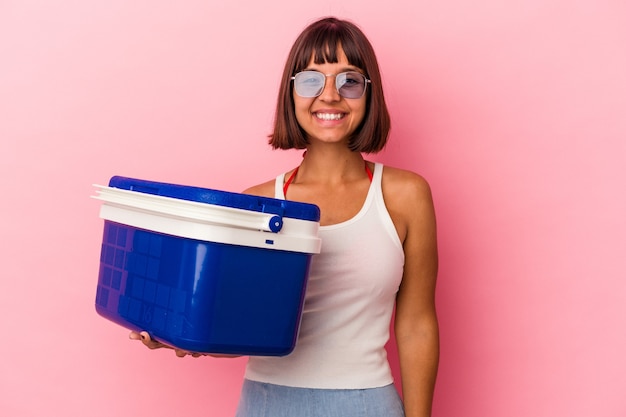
155	344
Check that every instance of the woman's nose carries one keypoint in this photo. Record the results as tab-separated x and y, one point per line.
330	93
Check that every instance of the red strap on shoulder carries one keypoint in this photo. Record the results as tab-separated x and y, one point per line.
289	180
369	172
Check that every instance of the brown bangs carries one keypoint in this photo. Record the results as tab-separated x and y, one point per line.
324	45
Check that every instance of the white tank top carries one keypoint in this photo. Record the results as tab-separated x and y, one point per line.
348	304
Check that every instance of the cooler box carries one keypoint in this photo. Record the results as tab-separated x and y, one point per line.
205	270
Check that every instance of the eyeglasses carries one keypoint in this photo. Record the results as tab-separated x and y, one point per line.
349	84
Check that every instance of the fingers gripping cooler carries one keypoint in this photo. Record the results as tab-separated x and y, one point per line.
205	270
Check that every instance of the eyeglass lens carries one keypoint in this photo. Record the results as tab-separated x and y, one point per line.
350	84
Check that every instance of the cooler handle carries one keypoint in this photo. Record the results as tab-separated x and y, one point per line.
203	212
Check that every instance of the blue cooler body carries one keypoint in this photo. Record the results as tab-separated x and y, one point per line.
205	270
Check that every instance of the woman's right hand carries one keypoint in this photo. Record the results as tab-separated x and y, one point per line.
155	344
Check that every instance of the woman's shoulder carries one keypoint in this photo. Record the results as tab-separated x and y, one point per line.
404	183
265	189
408	200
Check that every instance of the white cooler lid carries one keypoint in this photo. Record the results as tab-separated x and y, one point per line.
208	222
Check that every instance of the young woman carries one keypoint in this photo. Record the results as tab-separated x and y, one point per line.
378	245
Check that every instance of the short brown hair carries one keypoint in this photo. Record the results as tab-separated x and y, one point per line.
321	40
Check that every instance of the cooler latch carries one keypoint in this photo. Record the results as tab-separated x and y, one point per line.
276	221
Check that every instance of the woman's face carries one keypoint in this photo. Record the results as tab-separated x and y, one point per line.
329	117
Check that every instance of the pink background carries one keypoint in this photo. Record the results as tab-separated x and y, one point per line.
514	111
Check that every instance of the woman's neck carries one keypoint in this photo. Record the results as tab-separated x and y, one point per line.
330	166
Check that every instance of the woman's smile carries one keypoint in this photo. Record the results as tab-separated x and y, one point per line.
328	115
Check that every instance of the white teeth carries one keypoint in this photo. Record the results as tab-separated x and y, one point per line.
329	116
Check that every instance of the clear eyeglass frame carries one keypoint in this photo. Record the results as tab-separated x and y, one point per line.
341	79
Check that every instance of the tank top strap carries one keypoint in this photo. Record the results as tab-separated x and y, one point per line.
377	176
278	187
